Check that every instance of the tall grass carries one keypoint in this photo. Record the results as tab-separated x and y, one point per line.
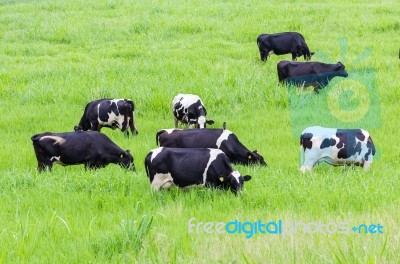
56	56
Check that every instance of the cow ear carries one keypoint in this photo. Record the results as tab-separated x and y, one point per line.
247	178
312	53
128	151
221	179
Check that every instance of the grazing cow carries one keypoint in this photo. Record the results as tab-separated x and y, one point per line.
166	167
222	139
336	147
316	74
283	43
189	109
91	148
113	113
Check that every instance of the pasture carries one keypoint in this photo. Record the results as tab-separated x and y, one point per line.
56	56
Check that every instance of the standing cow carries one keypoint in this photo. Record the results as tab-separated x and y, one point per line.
283	43
336	147
166	167
91	148
316	74
222	139
113	113
189	109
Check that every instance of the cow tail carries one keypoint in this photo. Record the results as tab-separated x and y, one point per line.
301	150
145	165
158	136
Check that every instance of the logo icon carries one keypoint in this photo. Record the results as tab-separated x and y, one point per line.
351	102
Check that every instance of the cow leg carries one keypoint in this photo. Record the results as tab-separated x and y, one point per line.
176	122
316	88
95	126
91	166
42	166
133	127
304	169
294	56
367	165
310	158
126	133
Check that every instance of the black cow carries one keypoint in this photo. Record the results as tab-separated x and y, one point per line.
222	139
283	43
189	109
316	74
336	147
166	167
91	148
113	113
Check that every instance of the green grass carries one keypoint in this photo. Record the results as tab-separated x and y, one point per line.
56	56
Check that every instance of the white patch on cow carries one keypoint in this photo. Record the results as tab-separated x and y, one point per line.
186	100
201	121
224	136
271	52
170	130
112	117
213	156
155	152
162	180
57	139
56	159
236	174
115	101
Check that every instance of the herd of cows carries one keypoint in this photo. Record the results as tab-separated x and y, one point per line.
200	155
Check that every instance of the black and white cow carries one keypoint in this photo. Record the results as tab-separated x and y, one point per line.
91	148
283	43
189	109
336	147
316	74
113	113
182	167
222	139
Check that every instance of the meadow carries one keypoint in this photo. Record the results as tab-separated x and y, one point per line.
56	56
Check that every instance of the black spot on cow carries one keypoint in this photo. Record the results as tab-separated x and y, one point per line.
328	142
347	142
371	148
305	140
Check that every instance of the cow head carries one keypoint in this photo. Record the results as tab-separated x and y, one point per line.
255	158
235	181
308	55
202	122
125	160
341	69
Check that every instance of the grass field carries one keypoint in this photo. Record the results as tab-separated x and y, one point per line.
56	56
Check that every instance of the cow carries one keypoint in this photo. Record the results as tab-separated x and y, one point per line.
316	74
283	43
91	148
186	168
112	113
222	139
336	147
189	109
